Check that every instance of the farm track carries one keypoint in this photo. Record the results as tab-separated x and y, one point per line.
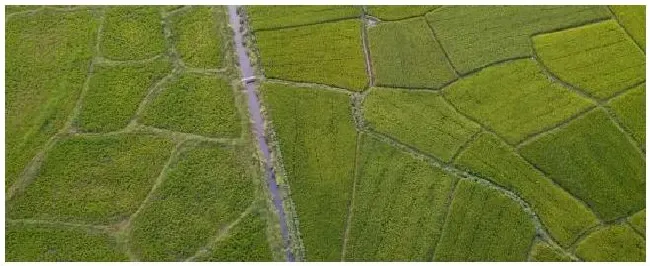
184	141
366	46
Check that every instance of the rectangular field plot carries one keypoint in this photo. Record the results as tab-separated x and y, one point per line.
515	99
612	243
245	242
599	59
42	80
38	243
406	55
629	108
594	161
198	34
205	190
632	18
398	12
196	103
563	215
420	119
543	252
132	32
96	180
329	53
484	225
476	36
115	93
317	138
399	206
273	17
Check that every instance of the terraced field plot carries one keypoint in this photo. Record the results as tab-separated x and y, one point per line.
397	133
129	143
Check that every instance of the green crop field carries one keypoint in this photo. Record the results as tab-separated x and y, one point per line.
325	133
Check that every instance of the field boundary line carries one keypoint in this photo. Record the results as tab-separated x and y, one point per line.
452	170
444	51
57	223
104	61
25	12
327	21
308	85
223	233
599	102
365	42
465	145
183	135
174	12
450	198
559	126
348	222
618	21
572	247
33	166
462	76
628	223
207	71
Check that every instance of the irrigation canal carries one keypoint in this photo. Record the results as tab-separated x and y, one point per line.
248	78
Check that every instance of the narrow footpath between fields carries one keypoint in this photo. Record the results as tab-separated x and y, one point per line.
248	78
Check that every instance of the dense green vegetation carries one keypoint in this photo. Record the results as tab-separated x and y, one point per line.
484	225
42	80
599	59
271	17
594	161
317	137
564	216
399	206
398	12
205	190
638	221
329	53
632	18
245	242
612	243
476	36
405	54
19	8
125	86
196	103
629	108
132	32
38	243
515	99
543	252
418	118
97	180
198	36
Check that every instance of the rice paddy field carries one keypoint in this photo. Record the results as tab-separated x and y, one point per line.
396	133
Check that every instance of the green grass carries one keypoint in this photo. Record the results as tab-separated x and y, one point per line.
19	8
329	53
398	12
420	119
564	216
484	225
246	242
196	103
629	108
205	190
594	161
316	135
96	180
613	243
599	59
198	34
115	92
632	18
132	32
39	243
480	35
638	221
405	54
47	57
514	99
271	17
543	252
399	206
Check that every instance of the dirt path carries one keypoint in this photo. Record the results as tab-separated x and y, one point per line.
258	124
